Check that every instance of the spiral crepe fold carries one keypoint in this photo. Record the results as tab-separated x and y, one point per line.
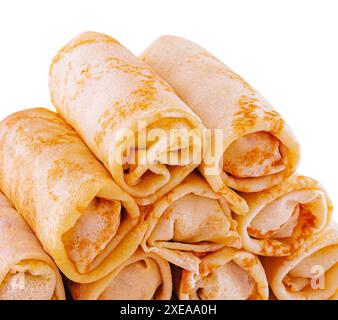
282	218
258	149
227	274
144	276
310	273
26	271
114	100
85	222
190	219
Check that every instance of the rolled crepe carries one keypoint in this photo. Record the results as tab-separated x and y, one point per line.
189	220
84	221
26	271
144	276
255	149
129	117
227	274
310	273
282	218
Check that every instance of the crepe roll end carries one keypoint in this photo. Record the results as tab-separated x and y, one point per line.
258	148
144	276
310	273
227	274
281	219
29	280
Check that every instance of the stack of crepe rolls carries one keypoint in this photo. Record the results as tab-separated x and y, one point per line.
85	222
227	274
26	271
144	276
282	218
189	220
310	273
117	207
255	149
126	114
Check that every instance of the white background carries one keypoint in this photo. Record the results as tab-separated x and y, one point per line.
288	50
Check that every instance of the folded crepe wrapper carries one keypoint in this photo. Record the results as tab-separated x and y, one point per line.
227	274
189	220
26	271
280	219
85	222
258	149
144	276
105	92
310	273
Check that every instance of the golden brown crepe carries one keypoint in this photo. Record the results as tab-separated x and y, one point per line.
26	271
118	104
144	276
85	222
227	274
189	219
255	149
282	218
310	273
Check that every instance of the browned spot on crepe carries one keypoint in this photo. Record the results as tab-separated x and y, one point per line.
246	116
306	227
207	268
234	76
272	247
274	119
306	230
140	99
249	111
185	289
259	234
62	169
86	39
248	263
303	230
41	139
105	120
255	156
85	74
